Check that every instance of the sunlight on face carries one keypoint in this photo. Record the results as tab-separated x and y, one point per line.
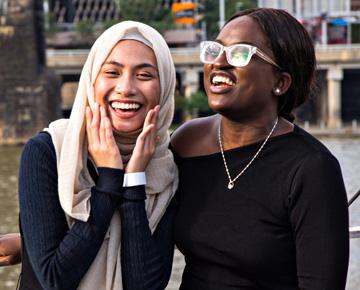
128	85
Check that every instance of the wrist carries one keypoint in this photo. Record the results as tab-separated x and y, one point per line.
110	180
134	179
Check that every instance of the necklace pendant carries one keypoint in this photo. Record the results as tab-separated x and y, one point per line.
230	185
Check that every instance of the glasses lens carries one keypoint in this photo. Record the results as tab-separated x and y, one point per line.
239	55
210	51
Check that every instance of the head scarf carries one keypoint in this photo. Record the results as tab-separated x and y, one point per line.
69	139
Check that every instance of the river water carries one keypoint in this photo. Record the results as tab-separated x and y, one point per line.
346	150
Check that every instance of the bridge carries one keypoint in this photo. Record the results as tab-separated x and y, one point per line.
338	74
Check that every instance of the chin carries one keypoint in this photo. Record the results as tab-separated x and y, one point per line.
125	129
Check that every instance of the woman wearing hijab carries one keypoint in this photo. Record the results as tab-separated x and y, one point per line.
81	180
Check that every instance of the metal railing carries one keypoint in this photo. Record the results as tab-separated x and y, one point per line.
354	232
338	47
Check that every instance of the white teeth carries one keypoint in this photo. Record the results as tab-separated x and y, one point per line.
125	106
222	80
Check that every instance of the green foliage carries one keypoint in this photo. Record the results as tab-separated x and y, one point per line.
85	28
180	102
107	24
150	12
50	23
211	10
197	101
194	106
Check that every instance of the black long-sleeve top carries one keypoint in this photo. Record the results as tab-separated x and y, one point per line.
56	256
284	225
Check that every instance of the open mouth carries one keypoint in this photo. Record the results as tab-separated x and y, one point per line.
125	107
221	80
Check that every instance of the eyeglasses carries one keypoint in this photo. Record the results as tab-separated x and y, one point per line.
238	55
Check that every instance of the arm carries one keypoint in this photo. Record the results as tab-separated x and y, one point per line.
10	249
319	218
59	256
146	259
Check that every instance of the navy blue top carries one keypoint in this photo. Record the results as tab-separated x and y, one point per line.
56	257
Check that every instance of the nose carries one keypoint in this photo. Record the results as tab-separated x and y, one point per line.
221	61
125	86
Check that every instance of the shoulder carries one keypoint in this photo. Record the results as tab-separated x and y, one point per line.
195	137
315	159
309	140
40	144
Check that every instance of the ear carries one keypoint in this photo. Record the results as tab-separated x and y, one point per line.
282	84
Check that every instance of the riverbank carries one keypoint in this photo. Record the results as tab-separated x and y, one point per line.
348	131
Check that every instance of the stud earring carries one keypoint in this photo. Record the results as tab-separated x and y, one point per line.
277	91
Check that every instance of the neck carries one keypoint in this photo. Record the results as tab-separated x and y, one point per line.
236	134
126	143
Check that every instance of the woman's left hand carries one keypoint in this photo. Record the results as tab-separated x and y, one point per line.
145	143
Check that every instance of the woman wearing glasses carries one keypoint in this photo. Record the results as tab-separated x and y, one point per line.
262	202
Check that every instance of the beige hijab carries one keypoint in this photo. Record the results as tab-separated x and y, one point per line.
69	139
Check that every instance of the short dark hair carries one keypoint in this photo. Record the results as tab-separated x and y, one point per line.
294	52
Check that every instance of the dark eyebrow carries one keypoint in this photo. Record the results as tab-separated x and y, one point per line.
241	42
140	65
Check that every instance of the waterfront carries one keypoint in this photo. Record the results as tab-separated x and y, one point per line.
345	149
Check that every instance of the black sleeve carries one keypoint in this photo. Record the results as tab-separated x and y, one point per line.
319	217
59	256
146	259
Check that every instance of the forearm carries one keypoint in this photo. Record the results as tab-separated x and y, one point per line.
146	259
58	255
61	256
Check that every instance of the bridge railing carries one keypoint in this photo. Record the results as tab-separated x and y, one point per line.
354	232
338	47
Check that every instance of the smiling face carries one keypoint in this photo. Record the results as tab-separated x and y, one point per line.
128	85
241	92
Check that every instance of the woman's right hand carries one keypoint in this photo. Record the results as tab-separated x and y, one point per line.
10	249
102	146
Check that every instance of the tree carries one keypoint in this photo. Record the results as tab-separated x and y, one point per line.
151	12
211	13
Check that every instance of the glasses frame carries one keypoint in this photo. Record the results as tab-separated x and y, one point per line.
252	50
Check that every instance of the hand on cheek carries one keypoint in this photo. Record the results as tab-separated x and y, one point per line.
145	143
102	146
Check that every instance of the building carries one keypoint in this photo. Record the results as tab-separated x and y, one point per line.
335	28
29	92
74	11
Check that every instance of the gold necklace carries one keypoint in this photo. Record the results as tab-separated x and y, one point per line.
232	181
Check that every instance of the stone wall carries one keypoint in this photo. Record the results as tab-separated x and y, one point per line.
29	92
